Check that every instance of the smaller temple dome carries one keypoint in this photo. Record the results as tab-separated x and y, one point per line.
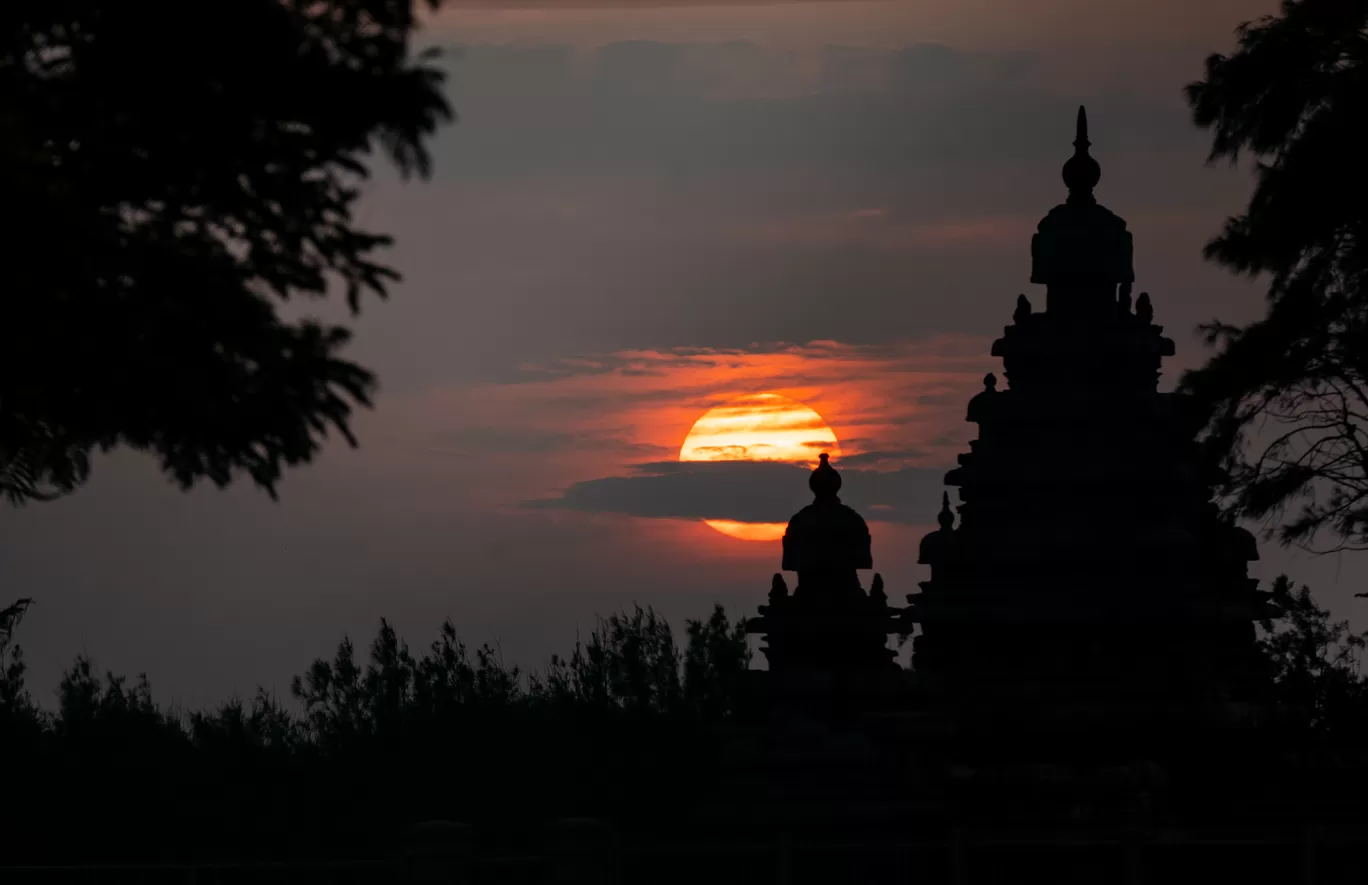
826	535
980	404
933	545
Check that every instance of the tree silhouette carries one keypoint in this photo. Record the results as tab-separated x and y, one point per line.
16	705
715	663
170	194
1314	664
9	622
1286	397
382	740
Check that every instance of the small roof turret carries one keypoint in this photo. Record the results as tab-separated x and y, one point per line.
933	545
981	403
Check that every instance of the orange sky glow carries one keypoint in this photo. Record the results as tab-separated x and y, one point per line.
895	406
758	427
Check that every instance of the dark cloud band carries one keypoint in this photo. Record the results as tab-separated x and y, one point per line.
748	491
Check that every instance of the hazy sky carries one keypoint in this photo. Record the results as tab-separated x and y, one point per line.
640	213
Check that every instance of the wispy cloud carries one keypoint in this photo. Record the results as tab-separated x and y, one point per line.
893	397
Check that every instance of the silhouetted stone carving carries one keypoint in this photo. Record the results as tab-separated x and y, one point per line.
1144	310
1088	561
935	546
778	589
979	408
828	640
876	590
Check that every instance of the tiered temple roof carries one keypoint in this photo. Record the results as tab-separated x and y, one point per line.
1085	550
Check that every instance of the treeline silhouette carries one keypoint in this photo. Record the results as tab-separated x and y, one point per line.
632	726
373	745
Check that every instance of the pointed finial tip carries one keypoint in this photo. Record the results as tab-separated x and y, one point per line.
1081	172
1081	129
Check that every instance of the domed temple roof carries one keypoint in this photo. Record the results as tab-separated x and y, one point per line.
826	535
1079	242
934	545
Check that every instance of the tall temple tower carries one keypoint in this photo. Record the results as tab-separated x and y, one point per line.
1086	558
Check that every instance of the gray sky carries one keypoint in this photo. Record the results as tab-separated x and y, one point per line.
640	213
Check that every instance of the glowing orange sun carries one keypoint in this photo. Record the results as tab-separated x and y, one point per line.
758	427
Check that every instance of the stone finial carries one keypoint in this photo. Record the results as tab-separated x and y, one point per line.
946	518
990	382
1081	172
778	588
876	590
1023	310
825	482
1144	309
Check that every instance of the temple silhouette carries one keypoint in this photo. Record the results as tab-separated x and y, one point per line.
1084	582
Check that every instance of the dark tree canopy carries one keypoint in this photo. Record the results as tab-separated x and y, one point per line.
1286	397
1314	664
171	173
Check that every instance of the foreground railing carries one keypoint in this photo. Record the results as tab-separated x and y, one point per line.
589	852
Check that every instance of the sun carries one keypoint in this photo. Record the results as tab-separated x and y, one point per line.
758	427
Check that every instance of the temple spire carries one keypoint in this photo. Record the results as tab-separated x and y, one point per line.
946	517
1081	172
